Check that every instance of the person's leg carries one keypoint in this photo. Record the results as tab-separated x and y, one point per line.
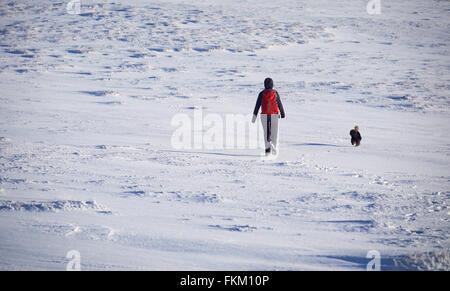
265	130
274	130
358	142
353	141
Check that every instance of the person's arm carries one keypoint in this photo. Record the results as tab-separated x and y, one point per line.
257	106
280	106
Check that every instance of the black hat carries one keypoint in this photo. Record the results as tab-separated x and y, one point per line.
268	83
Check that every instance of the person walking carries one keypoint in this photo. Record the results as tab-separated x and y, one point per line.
271	109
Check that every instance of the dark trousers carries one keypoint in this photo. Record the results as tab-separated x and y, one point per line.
356	142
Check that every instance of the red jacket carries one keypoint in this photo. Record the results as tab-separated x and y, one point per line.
270	103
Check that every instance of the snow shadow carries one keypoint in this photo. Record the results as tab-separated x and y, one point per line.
214	153
317	144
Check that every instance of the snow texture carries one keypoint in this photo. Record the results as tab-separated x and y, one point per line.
86	161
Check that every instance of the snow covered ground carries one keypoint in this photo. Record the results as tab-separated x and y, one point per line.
87	164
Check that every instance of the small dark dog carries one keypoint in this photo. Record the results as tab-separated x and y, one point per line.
356	136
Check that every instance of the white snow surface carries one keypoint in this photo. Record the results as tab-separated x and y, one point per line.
86	161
